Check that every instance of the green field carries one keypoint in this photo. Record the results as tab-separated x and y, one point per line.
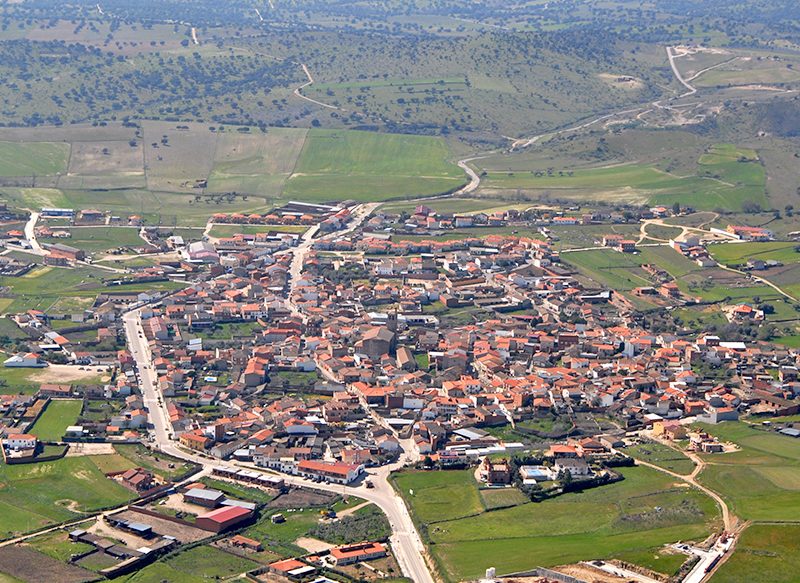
94	239
55	419
33	158
35	495
662	456
765	553
64	290
213	563
223	231
629	519
336	165
762	480
738	253
724	177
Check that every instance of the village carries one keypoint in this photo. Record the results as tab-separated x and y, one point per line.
330	358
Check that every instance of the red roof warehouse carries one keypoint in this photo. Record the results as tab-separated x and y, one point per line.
223	518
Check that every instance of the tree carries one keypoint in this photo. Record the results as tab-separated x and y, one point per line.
676	207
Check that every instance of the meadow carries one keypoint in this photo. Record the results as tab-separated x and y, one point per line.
761	481
35	495
179	174
733	254
55	419
724	177
630	520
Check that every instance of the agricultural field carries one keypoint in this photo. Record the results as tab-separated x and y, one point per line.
179	174
128	456
734	254
630	519
223	231
35	495
33	158
760	481
55	419
336	165
724	176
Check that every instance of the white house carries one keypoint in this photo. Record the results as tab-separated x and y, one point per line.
22	360
20	441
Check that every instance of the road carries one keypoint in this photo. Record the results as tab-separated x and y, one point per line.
30	234
672	56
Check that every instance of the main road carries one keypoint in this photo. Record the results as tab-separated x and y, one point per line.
406	543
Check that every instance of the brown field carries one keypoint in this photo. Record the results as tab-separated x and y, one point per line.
28	565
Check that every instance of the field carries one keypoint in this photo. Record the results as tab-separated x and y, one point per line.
223	231
63	290
180	174
336	165
724	177
738	253
33	158
765	553
762	480
95	239
662	456
34	495
629	519
54	421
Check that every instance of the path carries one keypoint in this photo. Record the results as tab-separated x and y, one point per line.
672	56
299	91
194	36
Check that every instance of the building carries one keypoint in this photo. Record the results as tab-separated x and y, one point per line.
223	519
495	472
337	472
349	554
204	497
20	441
23	360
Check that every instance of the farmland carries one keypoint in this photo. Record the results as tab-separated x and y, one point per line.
610	521
34	495
180	174
724	176
58	415
761	480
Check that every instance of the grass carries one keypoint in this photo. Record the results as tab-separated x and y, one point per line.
761	481
493	498
33	158
64	290
35	495
662	456
439	496
212	562
54	421
94	239
335	165
638	514
56	544
160	572
17	380
724	177
738	253
764	553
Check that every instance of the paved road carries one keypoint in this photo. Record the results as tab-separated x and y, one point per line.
30	234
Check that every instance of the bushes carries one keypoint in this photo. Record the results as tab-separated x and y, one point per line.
366	524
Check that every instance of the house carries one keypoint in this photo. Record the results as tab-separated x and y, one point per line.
246	543
495	472
337	472
24	360
20	441
349	554
574	466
